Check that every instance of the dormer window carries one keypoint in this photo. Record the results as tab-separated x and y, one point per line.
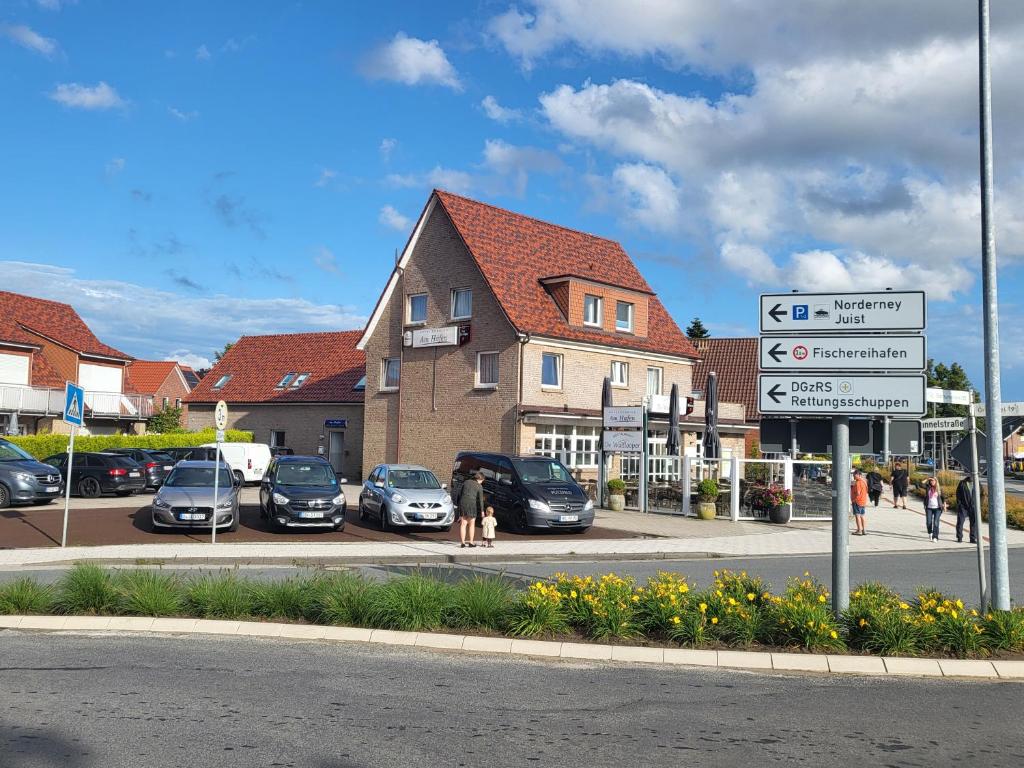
360	385
286	380
624	316
219	384
592	310
300	380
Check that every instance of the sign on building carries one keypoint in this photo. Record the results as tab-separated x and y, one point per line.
627	441
624	416
447	336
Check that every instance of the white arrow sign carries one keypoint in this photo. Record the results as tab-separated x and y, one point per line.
842	312
850	353
838	395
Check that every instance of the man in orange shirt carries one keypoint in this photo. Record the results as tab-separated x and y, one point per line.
859	500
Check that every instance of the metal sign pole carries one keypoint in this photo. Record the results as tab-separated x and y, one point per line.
216	494
976	519
840	514
67	489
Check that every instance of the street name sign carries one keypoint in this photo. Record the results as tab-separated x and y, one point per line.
843	312
628	416
952	424
850	353
1006	409
841	394
74	404
950	396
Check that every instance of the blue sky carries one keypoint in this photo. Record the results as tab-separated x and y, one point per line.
184	173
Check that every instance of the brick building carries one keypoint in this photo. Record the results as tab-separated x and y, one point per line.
299	390
163	382
735	364
496	331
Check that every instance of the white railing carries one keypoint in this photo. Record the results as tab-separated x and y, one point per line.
45	401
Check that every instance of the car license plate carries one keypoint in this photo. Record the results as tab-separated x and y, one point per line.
51	489
315	515
191	516
428	515
568	518
168	467
134	474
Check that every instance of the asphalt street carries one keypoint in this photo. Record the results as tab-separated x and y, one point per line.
113	701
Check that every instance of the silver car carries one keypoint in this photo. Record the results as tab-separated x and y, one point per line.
185	500
405	496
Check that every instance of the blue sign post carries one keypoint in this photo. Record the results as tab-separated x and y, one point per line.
74	411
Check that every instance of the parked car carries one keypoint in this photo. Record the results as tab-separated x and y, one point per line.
95	473
24	480
280	450
527	491
191	453
156	464
302	492
249	461
406	496
186	499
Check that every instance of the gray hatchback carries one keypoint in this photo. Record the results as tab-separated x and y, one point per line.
186	499
406	496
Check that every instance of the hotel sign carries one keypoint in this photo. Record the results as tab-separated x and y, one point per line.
436	337
630	441
624	417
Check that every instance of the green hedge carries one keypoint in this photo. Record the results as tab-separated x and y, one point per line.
42	446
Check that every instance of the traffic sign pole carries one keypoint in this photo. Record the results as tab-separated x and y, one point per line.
976	519
67	489
74	415
220	421
840	514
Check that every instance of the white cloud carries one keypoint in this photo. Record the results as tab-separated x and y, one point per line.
501	114
54	5
648	195
386	147
411	61
749	261
390	217
182	116
189	359
115	166
99	96
325	259
327	175
517	162
28	38
203	53
440	177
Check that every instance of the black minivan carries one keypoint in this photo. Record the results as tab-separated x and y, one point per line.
527	491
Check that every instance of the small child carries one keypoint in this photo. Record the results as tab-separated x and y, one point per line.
490	525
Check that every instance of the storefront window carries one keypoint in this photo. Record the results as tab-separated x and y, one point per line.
575	446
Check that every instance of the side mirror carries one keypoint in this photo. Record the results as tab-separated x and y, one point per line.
379	484
343	480
444	486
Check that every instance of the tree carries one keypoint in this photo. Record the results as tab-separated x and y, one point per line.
166	420
697	330
952	376
218	354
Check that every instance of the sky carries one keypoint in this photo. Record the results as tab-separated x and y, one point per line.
184	173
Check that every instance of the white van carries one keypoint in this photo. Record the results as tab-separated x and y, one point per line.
250	460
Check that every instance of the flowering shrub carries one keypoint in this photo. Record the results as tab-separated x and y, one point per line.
668	608
771	495
1004	630
601	609
802	617
735	603
538	611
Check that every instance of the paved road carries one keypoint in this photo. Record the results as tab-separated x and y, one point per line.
1015	487
79	701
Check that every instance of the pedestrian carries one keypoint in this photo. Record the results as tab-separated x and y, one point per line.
859	500
965	509
471	504
934	504
490	526
900	482
874	486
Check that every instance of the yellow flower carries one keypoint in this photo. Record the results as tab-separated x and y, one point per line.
904	606
810	624
940	609
732	601
636	598
863	623
714	619
684	588
959	604
572	593
953	614
973	612
834	634
821	598
751	596
703	607
675	619
857	593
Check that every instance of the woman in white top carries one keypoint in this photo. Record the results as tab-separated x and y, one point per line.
934	505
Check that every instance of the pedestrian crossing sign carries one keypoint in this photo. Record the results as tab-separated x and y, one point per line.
74	404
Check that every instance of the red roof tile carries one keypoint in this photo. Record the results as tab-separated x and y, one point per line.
43	374
51	319
735	362
257	364
515	252
147	376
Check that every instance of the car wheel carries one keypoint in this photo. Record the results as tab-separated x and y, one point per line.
362	512
239	478
5	497
521	520
89	487
384	524
234	523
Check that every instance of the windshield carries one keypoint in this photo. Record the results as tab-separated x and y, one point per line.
313	473
412	479
197	477
161	456
11	452
542	471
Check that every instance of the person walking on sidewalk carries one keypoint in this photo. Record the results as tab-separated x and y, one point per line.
900	482
859	500
471	505
874	486
965	509
934	504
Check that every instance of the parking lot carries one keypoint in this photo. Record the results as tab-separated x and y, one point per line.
113	520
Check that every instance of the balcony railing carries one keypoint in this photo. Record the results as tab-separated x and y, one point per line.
44	401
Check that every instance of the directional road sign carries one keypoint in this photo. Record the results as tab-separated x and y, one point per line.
951	424
74	404
842	312
962	451
850	353
1006	409
841	394
950	396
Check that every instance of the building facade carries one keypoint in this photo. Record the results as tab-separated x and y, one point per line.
163	382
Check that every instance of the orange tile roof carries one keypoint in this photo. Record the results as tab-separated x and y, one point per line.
51	319
43	374
515	252
147	376
735	361
257	364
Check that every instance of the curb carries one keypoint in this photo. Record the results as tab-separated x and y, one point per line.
758	661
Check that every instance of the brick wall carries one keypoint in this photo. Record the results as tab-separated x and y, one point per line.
173	389
302	423
578	289
442	410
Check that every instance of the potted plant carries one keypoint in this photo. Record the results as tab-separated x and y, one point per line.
773	499
616	495
707	495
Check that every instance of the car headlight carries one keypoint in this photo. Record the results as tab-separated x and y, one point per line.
339	499
447	499
25	477
589	505
398	498
279	499
534	504
225	505
158	502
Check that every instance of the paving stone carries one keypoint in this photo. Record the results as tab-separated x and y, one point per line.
691	657
351	634
439	640
856	665
1009	669
217	627
745	659
303	631
536	647
173	625
636	653
899	665
586	651
967	668
43	622
487	644
391	637
800	662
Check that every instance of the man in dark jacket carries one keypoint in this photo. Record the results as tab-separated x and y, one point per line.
965	508
874	486
900	483
470	504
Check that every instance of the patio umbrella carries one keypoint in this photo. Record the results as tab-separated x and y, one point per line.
12	425
712	445
672	443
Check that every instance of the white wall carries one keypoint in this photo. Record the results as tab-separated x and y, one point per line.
14	369
99	378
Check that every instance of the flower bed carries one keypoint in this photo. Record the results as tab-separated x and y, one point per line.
736	610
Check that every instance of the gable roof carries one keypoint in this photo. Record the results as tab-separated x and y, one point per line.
191	377
147	376
515	253
51	319
735	361
257	364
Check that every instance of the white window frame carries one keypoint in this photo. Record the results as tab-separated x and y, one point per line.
384	374
286	380
599	302
408	309
488	385
177	402
301	379
577	449
632	314
222	381
622	366
166	402
455	292
661	379
559	360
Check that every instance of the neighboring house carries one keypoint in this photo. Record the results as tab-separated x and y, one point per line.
43	345
735	364
162	382
496	331
191	377
303	391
